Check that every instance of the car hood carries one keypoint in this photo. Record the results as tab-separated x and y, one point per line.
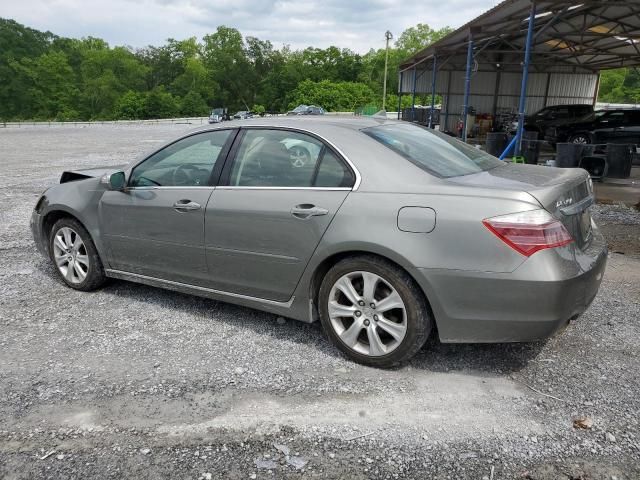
80	174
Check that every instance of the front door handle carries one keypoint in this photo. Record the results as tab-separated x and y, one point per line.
186	205
306	210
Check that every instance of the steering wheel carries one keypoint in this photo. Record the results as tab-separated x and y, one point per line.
184	175
299	156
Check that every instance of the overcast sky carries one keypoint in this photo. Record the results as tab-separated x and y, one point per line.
355	24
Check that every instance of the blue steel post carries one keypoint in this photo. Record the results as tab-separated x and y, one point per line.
525	79
433	90
467	87
413	95
400	95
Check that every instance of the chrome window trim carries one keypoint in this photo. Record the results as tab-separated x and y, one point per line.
356	172
122	275
241	187
171	187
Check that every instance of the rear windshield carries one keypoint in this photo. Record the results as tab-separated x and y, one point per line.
433	151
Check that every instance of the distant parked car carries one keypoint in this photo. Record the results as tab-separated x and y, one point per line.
307	110
611	126
548	116
218	115
385	232
243	115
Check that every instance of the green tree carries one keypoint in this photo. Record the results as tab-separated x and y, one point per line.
130	106
414	39
46	76
193	105
160	104
226	60
333	96
50	85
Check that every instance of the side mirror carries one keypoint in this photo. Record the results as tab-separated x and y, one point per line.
117	181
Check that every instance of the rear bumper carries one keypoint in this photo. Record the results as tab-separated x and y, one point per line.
533	302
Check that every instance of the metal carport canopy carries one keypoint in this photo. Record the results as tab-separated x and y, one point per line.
588	36
532	35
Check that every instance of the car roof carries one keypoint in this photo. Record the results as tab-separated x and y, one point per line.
348	122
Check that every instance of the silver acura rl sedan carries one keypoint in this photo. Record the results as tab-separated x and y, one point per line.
382	230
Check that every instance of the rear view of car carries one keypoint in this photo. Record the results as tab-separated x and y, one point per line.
532	259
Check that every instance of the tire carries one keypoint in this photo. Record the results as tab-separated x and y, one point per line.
414	316
66	231
582	138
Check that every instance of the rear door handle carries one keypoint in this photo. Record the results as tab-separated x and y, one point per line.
186	205
307	210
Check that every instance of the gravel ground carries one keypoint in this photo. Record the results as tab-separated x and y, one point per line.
133	381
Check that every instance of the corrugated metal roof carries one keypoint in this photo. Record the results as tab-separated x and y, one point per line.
587	36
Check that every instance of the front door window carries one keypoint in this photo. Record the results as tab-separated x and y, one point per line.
188	162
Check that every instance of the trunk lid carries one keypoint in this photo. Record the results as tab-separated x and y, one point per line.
566	193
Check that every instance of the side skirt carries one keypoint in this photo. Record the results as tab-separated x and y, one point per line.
271	306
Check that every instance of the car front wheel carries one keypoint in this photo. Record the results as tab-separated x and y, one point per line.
373	311
581	138
75	256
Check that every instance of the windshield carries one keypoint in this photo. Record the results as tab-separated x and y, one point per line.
300	108
433	151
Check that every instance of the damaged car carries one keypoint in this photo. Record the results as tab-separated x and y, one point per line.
386	232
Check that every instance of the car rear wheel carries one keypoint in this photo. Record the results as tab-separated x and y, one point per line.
373	311
581	138
75	256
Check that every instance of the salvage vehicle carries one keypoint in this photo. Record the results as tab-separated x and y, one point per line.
306	110
555	114
242	115
218	115
388	232
602	127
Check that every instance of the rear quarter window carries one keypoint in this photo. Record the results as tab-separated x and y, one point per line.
435	152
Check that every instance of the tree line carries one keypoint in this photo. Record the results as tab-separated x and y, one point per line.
47	77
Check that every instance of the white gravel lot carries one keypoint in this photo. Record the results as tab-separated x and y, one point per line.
132	381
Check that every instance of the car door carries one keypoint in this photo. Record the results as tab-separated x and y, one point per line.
606	127
629	130
155	226
279	191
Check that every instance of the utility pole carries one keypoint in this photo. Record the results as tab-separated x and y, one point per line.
388	35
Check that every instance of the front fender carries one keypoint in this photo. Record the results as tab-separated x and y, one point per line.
79	199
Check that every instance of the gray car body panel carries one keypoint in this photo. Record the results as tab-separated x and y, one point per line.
479	289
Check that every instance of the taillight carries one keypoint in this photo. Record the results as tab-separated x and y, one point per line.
528	232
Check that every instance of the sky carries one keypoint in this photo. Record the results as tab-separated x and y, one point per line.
355	24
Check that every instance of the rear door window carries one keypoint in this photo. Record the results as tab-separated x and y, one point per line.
435	152
283	158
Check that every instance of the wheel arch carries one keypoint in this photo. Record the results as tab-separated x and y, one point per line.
328	262
52	216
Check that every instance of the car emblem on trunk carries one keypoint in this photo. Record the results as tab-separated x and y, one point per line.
564	203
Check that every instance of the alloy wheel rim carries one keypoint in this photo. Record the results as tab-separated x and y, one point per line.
580	140
70	255
367	313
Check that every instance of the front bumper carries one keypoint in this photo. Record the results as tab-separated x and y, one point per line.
38	236
540	297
